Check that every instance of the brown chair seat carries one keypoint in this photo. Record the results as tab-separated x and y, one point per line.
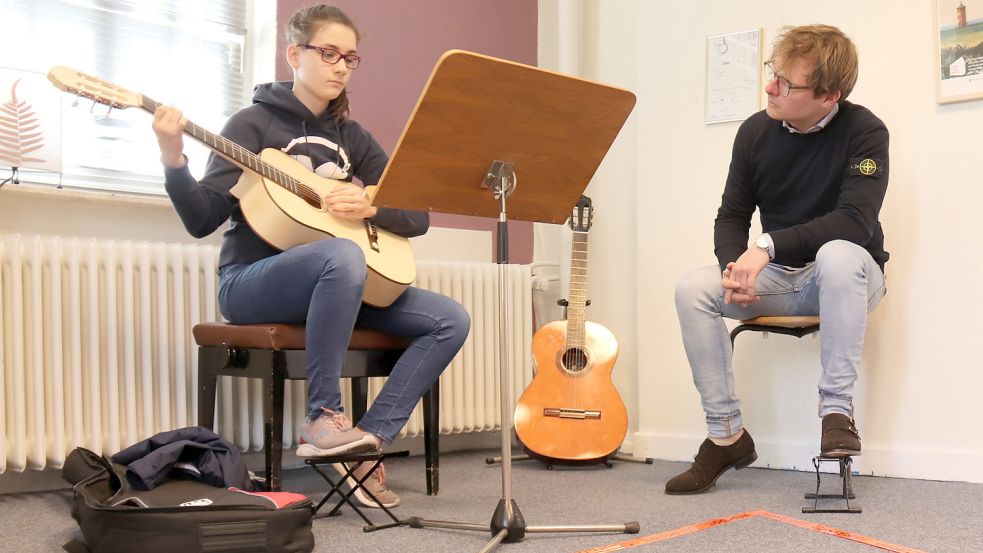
285	336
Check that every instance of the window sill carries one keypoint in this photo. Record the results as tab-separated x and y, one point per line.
31	190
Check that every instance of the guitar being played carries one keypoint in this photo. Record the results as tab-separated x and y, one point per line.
283	201
571	410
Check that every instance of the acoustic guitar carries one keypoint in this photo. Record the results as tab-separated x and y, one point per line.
282	200
571	410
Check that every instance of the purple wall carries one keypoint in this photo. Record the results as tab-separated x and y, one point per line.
401	41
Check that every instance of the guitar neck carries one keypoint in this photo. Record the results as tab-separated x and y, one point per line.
233	152
577	302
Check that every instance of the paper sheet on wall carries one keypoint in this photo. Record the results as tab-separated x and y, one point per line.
733	76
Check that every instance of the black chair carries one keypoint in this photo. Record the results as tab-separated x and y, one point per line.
277	352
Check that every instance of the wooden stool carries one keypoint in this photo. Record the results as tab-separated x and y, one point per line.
791	326
277	352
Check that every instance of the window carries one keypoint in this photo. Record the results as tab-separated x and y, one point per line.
187	53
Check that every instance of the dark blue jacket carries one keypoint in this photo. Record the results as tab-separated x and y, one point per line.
194	452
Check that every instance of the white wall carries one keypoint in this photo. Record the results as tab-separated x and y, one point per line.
918	397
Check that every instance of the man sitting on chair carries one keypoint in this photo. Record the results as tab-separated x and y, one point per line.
816	167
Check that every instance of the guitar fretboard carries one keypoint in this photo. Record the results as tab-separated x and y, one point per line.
577	303
241	156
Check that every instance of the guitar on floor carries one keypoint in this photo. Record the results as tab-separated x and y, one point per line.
282	200
571	410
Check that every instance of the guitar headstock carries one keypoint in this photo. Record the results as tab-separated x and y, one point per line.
582	216
92	88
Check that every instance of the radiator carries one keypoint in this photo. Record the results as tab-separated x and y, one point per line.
96	348
470	399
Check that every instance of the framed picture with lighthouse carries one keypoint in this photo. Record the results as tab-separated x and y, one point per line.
958	31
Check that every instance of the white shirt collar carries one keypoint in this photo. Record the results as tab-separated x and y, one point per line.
818	126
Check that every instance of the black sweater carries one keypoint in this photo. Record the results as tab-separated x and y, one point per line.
810	188
277	119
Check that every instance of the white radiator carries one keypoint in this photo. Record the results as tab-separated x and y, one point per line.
96	348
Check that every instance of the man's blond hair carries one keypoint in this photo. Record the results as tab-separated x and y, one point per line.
832	52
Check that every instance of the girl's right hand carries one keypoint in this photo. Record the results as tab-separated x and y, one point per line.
169	124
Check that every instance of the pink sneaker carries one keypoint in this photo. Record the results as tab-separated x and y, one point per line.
376	484
332	434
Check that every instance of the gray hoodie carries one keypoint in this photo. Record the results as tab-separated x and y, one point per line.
277	119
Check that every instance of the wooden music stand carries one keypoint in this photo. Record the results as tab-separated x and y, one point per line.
481	122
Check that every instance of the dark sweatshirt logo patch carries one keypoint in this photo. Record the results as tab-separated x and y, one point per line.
865	167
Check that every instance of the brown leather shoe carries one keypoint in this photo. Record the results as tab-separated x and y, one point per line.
840	438
710	462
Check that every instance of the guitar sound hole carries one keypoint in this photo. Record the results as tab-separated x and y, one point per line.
574	360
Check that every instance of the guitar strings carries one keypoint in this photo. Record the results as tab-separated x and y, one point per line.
246	157
576	314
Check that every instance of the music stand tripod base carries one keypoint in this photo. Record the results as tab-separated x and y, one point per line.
846	494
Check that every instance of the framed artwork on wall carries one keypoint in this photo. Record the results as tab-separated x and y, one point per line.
958	32
733	76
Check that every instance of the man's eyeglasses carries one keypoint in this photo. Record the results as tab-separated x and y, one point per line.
332	56
784	86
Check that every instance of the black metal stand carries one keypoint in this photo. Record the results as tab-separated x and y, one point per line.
13	178
847	493
507	523
349	462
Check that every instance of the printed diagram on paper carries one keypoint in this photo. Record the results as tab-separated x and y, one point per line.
733	75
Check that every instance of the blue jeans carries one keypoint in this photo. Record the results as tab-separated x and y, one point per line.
842	286
321	284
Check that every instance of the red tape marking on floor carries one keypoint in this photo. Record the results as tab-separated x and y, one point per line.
700	526
685	530
866	540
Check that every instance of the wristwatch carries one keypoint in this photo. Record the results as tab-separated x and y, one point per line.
763	243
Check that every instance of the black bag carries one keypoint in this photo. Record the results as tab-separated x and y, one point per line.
181	515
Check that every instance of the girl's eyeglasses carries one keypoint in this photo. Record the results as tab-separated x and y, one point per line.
332	56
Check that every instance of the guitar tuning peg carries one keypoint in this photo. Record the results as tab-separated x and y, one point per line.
75	103
109	110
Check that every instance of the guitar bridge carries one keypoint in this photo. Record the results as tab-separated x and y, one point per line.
373	235
564	413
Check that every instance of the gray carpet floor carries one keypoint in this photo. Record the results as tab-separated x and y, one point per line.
911	514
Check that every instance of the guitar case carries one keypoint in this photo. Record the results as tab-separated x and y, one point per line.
179	514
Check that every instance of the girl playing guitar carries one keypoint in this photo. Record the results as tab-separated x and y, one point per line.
320	283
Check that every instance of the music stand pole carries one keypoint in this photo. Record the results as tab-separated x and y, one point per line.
557	135
507	522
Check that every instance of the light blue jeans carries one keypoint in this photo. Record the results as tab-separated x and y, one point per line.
842	286
321	284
